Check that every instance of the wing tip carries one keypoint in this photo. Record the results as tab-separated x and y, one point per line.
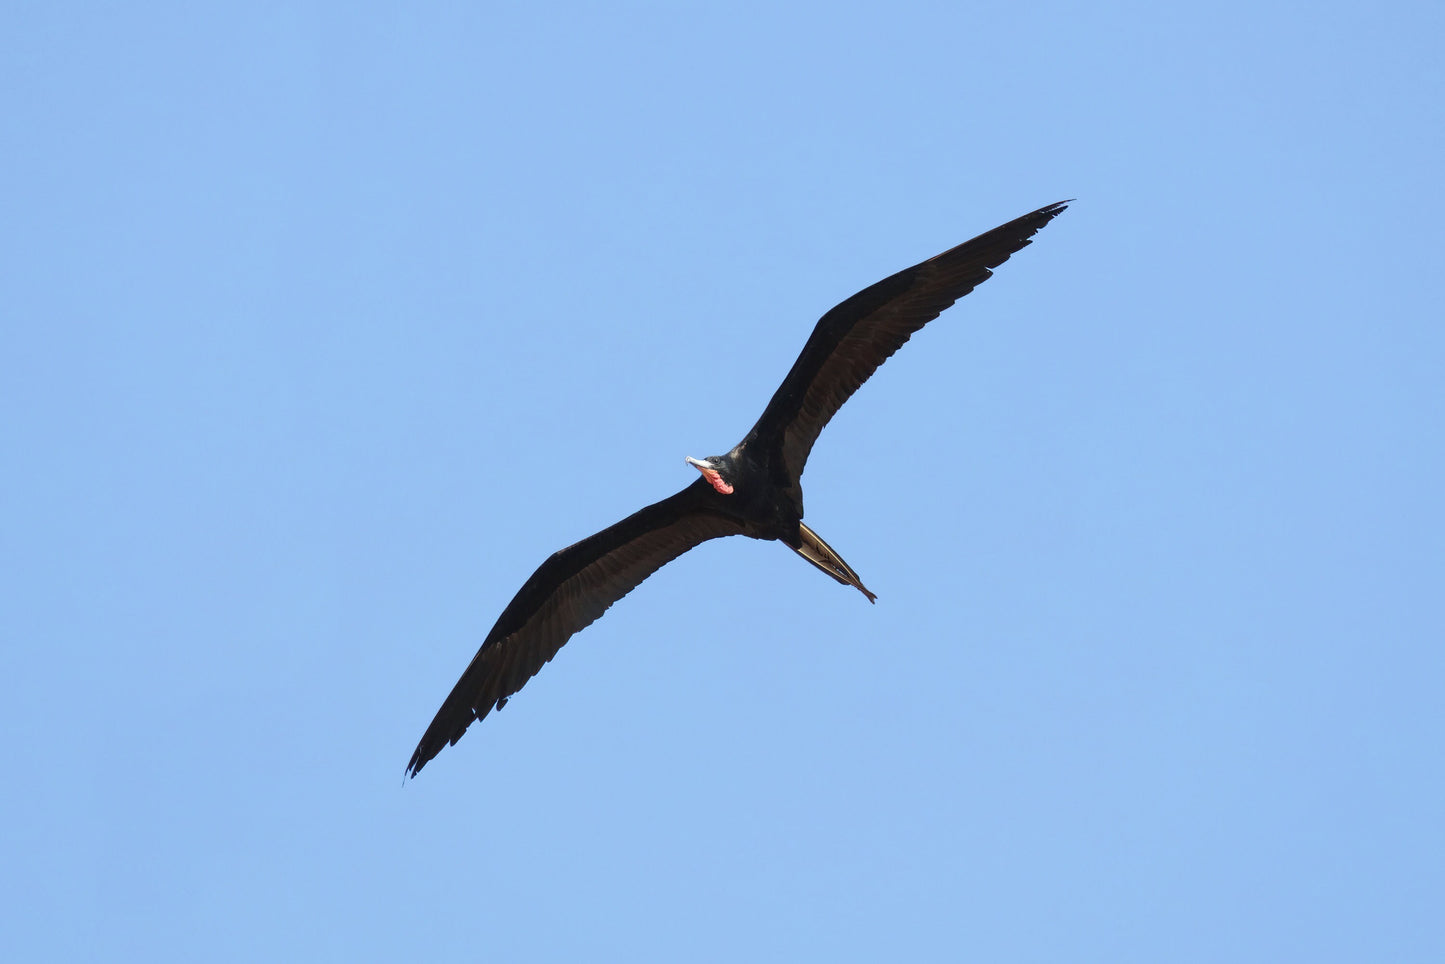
1048	212
419	758
433	741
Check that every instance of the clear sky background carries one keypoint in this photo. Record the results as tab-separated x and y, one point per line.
323	324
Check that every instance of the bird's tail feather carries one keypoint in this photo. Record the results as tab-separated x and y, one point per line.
820	554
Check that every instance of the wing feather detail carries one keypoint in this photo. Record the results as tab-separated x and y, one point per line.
852	340
568	592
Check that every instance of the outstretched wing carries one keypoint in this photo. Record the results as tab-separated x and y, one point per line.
567	593
852	340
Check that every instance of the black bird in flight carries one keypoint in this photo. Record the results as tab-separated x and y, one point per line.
754	490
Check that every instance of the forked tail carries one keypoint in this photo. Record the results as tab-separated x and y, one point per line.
820	554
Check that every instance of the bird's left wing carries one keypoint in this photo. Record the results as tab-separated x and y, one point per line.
567	593
854	338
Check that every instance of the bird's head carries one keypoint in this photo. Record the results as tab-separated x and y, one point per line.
718	470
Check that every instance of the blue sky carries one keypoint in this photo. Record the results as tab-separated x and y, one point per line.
324	324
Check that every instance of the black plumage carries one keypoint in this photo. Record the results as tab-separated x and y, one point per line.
753	490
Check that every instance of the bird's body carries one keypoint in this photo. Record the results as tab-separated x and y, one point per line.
754	490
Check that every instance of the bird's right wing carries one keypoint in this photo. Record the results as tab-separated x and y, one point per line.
567	593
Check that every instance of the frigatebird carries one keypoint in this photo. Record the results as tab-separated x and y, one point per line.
754	490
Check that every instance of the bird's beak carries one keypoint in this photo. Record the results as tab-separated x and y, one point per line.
714	479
